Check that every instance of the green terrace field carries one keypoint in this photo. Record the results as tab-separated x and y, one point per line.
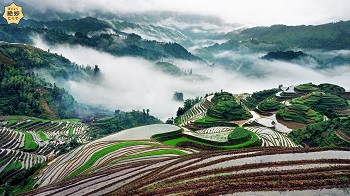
269	105
42	135
30	144
106	153
102	153
253	100
306	88
299	113
325	103
226	108
236	138
25	124
331	88
334	132
200	173
325	87
209	121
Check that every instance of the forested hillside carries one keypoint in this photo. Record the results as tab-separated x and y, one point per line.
332	36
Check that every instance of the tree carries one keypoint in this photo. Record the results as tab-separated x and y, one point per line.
178	96
170	121
96	70
133	37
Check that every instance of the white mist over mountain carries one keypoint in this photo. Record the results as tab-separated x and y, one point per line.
134	83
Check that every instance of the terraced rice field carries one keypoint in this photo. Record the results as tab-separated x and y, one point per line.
204	173
102	156
23	160
42	136
197	111
25	142
217	136
11	139
271	137
215	130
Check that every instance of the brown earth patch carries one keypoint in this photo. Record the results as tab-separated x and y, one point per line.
291	124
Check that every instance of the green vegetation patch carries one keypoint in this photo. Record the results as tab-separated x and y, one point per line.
177	139
299	113
306	88
71	132
42	135
188	103
30	145
226	107
169	68
253	100
11	122
174	142
121	121
239	135
331	88
209	121
254	141
102	153
269	105
325	103
206	119
22	182
71	120
161	137
27	124
323	134
152	153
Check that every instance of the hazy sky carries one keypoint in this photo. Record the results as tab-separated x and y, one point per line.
255	12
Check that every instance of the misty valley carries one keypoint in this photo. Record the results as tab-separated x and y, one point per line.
172	103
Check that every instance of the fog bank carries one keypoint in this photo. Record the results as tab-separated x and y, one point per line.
134	83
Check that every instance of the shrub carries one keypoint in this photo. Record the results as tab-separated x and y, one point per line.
239	135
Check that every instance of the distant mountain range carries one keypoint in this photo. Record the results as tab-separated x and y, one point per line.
97	34
332	36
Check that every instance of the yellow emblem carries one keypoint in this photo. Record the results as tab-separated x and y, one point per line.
13	13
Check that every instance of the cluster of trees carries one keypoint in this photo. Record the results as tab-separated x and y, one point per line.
122	120
178	96
286	56
187	105
18	94
253	100
21	182
23	91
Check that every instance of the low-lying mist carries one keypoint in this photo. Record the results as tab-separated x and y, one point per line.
134	83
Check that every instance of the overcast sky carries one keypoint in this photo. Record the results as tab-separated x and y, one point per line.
254	12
